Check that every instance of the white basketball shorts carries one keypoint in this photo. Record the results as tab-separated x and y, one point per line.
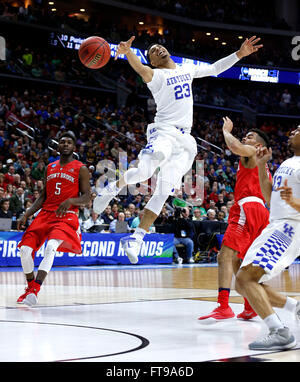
174	149
276	248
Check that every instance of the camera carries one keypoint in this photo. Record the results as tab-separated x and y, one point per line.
177	212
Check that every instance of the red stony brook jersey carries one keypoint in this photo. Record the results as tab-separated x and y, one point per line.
247	183
62	183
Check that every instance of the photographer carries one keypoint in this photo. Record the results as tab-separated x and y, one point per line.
184	232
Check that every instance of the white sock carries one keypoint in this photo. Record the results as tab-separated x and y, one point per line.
273	322
290	304
139	232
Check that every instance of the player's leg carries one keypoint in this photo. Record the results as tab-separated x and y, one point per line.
189	248
31	241
150	159
267	257
178	259
132	244
226	259
168	179
28	269
43	270
279	300
279	337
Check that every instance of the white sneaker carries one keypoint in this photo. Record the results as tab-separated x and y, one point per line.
132	246
30	300
104	197
277	339
298	310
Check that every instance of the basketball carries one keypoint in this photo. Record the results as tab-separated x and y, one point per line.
94	52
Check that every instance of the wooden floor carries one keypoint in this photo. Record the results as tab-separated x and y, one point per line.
132	299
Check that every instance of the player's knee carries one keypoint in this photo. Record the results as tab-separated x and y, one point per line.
49	255
25	252
51	246
242	278
26	259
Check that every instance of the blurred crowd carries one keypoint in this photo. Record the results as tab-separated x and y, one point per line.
180	40
115	134
242	12
50	64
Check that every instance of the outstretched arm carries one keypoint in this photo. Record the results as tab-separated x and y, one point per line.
248	47
233	143
143	70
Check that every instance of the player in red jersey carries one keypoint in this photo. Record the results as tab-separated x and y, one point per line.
247	218
66	186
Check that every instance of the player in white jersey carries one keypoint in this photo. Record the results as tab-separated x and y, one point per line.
170	146
275	249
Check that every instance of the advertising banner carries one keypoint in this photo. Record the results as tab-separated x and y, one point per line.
97	249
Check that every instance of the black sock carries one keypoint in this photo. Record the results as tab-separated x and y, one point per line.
39	282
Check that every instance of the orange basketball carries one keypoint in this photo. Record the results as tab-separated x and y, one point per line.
94	52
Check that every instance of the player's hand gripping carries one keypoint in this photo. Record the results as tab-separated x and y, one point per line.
263	155
21	222
63	208
248	47
228	125
124	47
286	193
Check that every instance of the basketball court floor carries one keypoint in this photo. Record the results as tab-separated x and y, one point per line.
132	314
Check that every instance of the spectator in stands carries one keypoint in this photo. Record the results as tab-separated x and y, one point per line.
184	233
9	176
221	202
16	202
128	217
136	221
9	191
121	218
221	216
211	215
4	209
224	209
93	223
107	216
199	214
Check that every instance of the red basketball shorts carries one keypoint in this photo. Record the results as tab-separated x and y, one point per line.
247	219
48	226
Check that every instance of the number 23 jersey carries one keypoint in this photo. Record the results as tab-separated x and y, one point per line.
172	93
62	183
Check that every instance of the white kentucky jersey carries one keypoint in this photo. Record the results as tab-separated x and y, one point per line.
172	90
290	170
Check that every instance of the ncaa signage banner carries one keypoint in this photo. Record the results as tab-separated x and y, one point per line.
97	249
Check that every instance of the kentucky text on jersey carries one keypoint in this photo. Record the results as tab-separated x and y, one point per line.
61	175
285	170
179	78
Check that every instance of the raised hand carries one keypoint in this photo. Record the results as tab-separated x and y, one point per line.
124	47
228	125
248	47
263	155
